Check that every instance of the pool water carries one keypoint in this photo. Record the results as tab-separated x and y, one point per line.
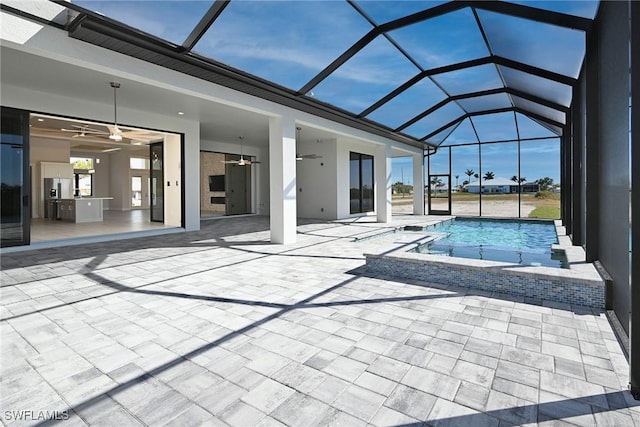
518	242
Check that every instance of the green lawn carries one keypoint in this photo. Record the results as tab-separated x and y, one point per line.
545	212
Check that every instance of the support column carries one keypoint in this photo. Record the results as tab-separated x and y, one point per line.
634	333
577	143
565	177
383	183
282	179
592	61
418	184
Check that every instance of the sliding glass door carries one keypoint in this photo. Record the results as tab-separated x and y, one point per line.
360	183
14	176
156	153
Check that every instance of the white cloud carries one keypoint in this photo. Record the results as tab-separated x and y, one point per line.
532	147
248	50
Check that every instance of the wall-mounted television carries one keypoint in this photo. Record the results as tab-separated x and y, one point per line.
216	182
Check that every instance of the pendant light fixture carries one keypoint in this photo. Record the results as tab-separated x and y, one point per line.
114	132
242	161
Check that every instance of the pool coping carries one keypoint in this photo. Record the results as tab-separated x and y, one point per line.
579	273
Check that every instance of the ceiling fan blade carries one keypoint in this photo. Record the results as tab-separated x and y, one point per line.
310	156
143	136
237	162
87	129
50	130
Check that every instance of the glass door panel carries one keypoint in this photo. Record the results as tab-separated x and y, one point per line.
361	180
354	183
157	181
238	188
136	191
439	194
14	176
367	183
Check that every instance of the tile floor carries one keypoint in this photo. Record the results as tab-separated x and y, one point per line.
114	222
219	327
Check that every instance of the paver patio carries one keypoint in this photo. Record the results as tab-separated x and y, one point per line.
219	327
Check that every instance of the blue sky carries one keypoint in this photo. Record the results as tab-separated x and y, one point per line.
289	42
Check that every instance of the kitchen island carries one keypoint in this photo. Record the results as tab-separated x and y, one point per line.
80	209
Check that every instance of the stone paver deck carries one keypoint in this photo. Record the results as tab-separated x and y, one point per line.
219	327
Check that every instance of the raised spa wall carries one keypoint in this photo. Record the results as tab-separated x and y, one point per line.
580	284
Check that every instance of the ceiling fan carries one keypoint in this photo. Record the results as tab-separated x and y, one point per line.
242	161
138	137
83	130
304	156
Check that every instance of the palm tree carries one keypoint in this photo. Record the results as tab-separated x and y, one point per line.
436	183
514	178
488	176
476	176
457	176
469	173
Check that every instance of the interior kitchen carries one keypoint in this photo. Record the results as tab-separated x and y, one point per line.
86	183
63	199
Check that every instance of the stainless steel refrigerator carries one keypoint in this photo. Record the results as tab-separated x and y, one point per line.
54	189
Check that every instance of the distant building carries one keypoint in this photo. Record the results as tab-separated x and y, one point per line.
500	186
530	187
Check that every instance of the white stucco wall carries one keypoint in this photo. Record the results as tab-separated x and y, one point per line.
172	181
317	180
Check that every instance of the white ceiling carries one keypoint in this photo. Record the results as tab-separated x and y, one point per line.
87	136
218	122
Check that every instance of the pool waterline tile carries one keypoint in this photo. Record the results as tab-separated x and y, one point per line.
580	284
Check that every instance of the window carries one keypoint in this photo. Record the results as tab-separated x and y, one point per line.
138	163
361	182
84	163
83	184
136	191
83	175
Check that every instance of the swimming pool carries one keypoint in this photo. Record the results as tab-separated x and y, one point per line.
515	241
394	255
